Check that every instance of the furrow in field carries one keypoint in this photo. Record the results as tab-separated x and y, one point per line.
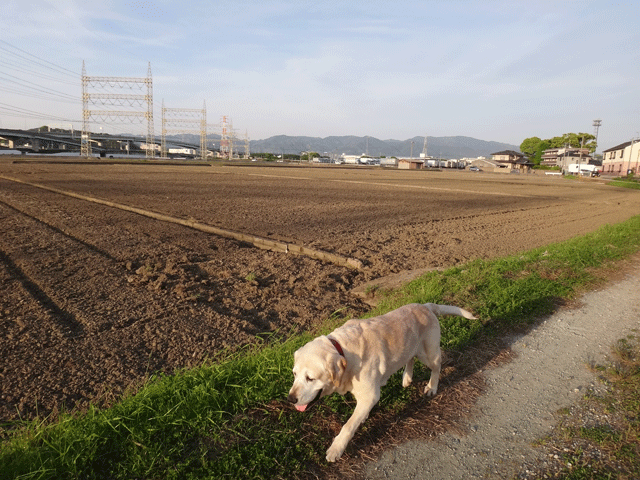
64	323
152	296
147	296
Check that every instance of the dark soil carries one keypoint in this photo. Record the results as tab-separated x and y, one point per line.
94	299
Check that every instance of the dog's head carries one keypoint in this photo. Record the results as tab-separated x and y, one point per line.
317	371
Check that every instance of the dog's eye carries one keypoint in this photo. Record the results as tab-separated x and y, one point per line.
309	379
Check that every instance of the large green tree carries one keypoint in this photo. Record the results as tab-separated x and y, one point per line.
542	146
585	140
574	140
530	146
534	147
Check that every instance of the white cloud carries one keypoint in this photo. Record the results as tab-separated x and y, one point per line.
374	68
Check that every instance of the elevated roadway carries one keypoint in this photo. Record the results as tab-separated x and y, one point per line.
34	141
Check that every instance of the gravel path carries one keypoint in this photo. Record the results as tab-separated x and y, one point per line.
549	372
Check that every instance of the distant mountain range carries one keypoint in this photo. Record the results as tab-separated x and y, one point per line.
439	147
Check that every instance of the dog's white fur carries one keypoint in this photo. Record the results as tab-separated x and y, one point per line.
374	349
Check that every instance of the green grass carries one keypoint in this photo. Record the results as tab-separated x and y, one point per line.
625	182
230	419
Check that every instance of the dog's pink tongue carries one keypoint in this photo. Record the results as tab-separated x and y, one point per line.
301	408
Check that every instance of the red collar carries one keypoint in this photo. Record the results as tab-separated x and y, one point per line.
337	345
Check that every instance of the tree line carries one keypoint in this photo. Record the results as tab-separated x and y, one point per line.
534	147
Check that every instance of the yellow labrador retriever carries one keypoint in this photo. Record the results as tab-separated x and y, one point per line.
360	356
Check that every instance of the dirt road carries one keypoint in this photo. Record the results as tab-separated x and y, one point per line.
93	299
550	372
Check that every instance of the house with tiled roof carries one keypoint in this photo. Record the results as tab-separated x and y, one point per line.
512	160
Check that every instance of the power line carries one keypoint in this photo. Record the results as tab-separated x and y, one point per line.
37	74
50	91
41	61
17	61
24	64
14	111
36	95
43	94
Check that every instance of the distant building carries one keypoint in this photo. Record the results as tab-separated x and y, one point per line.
321	160
182	151
410	164
389	162
563	157
485	164
153	146
507	156
622	159
363	159
344	158
512	160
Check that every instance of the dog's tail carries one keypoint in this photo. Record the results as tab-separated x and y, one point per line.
441	310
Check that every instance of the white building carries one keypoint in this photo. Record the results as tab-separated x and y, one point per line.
621	159
182	151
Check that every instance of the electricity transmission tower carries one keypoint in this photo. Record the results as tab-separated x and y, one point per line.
185	120
103	92
226	142
227	137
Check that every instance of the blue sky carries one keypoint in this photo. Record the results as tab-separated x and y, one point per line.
500	71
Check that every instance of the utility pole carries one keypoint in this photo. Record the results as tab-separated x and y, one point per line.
596	127
580	158
634	141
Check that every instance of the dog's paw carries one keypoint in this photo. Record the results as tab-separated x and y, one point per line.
406	382
334	452
430	391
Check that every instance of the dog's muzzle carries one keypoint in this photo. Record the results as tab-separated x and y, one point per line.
301	408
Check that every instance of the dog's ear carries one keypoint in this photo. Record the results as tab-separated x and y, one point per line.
337	369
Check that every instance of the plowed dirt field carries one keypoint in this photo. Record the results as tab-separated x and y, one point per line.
94	298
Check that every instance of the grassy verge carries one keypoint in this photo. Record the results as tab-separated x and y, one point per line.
600	437
230	419
625	182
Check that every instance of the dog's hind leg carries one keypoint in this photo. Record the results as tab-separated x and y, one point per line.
407	376
433	360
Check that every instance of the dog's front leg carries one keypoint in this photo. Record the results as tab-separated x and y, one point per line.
407	376
360	414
